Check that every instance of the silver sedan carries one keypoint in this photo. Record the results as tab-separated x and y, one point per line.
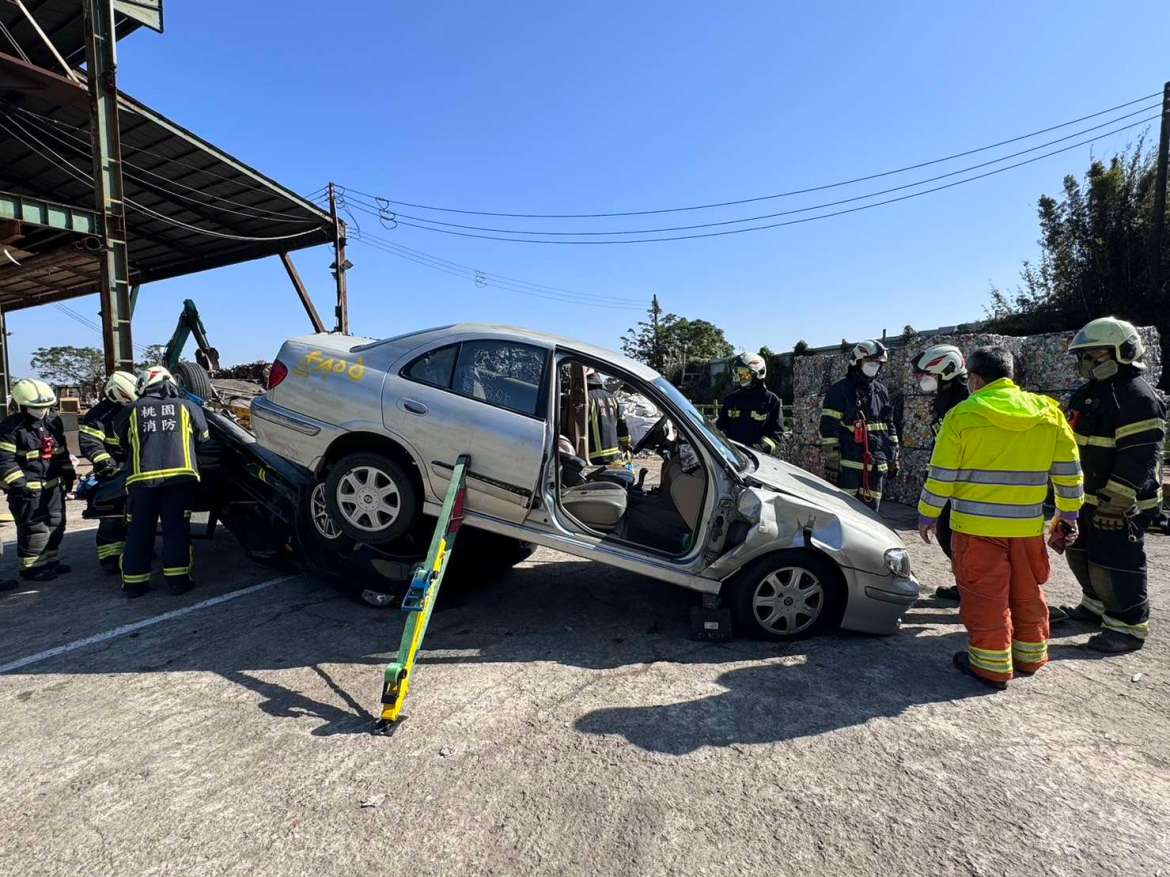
380	423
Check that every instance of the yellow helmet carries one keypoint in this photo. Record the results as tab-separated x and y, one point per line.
122	387
152	376
1110	333
31	393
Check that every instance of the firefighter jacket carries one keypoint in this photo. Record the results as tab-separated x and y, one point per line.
750	414
993	459
856	413
1120	426
160	433
99	444
608	432
33	453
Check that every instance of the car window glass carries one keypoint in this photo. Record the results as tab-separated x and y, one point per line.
501	372
434	367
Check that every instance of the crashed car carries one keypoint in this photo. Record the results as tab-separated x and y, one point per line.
380	423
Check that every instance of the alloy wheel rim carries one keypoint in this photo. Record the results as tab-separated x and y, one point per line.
788	600
319	511
368	499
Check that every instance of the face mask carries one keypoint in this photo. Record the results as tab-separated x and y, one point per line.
37	413
927	383
1091	368
871	369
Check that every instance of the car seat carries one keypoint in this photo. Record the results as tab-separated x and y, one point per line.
596	504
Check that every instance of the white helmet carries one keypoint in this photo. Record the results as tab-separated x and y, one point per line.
944	361
868	350
1110	333
31	393
152	376
122	388
747	367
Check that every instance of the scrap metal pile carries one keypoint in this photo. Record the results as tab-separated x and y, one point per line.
1042	366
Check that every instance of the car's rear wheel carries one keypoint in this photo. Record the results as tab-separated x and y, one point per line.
321	518
787	595
371	498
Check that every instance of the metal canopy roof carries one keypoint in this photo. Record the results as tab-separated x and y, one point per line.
190	206
62	22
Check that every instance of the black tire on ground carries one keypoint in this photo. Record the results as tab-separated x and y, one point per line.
194	378
371	498
787	595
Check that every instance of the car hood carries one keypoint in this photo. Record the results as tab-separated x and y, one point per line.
792	480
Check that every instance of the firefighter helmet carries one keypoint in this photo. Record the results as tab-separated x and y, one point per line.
747	367
31	393
152	376
868	350
122	388
1110	333
944	361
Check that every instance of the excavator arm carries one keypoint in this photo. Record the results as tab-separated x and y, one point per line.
190	324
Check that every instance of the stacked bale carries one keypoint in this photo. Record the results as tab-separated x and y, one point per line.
1042	366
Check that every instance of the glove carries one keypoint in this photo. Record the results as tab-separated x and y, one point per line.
832	463
1113	511
105	469
768	446
892	468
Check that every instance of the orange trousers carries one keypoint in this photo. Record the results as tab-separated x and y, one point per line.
1001	603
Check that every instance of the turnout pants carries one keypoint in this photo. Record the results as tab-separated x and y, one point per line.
111	540
169	504
851	479
40	524
1110	566
1001	604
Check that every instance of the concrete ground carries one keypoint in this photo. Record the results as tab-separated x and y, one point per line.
561	721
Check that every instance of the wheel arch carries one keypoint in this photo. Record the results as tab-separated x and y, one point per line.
791	553
352	442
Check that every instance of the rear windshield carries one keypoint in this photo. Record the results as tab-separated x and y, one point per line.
393	338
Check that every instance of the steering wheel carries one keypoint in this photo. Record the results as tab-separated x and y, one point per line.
653	437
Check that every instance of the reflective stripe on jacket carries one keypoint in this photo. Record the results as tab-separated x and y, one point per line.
856	398
1120	426
750	414
993	459
160	434
96	435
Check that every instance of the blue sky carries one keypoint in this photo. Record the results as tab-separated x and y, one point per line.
546	107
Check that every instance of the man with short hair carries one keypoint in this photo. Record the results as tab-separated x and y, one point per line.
993	459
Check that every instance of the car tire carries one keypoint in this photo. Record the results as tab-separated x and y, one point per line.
371	498
193	378
787	595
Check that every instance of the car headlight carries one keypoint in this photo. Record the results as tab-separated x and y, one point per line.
898	562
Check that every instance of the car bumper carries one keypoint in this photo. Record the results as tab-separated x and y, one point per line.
877	602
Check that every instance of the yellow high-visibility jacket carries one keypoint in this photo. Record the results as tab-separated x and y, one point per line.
993	459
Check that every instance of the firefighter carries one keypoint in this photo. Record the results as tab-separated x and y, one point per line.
160	432
609	436
1120	424
940	370
37	473
859	442
751	413
101	447
993	460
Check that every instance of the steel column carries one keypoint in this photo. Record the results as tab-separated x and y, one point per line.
5	377
101	63
303	293
340	264
1158	244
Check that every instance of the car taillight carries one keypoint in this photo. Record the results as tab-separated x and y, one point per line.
276	374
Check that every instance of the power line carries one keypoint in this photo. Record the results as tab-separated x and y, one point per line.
739	201
370	208
482	279
802	220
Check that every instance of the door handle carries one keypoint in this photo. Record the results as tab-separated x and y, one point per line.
414	407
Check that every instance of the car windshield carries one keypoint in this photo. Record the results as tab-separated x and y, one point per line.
722	444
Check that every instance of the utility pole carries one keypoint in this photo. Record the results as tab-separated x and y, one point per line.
1159	228
101	63
340	264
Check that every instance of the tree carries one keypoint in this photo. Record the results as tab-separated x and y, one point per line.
800	348
1096	256
767	352
152	354
83	367
665	339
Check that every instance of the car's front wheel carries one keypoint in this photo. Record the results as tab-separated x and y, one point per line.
371	498
787	595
